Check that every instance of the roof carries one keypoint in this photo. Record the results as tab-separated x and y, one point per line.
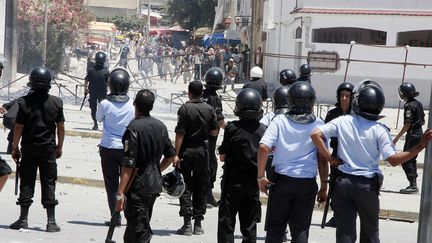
421	13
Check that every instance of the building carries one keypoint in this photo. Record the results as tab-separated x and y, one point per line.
373	31
121	8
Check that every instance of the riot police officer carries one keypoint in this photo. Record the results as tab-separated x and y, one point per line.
287	77
343	107
257	83
413	122
357	187
296	162
196	123
239	148
305	73
5	169
145	141
95	85
39	116
116	112
213	78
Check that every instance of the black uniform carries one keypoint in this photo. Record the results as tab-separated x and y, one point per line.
240	192
39	112
304	78
145	141
97	77
210	97
9	121
259	85
5	169
195	120
414	115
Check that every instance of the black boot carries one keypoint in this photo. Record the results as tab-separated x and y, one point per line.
412	188
198	230
22	222
52	225
186	229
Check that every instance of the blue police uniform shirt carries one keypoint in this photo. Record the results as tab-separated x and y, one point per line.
361	144
267	118
295	155
115	117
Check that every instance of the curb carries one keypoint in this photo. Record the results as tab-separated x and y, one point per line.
384	213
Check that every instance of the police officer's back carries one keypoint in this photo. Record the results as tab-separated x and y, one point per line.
257	83
95	84
196	123
39	116
240	192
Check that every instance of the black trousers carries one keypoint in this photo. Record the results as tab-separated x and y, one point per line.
93	101
195	170
291	202
138	213
213	163
242	197
111	169
410	167
45	160
356	195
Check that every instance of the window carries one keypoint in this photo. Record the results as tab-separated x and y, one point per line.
420	38
344	35
298	33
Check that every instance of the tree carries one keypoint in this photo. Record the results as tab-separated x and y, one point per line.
191	14
66	20
123	23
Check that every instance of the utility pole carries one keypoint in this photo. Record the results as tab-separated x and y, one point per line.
252	33
10	43
44	50
425	216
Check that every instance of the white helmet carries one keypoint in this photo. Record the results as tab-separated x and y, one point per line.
256	72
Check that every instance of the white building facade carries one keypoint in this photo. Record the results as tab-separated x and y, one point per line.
308	29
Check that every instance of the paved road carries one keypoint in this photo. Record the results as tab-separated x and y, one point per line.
82	211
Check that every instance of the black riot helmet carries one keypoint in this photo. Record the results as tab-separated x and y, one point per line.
368	100
119	81
301	97
100	58
344	86
305	70
214	77
40	78
287	77
248	104
280	97
173	184
407	90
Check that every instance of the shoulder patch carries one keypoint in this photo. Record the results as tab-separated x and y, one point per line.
126	145
408	113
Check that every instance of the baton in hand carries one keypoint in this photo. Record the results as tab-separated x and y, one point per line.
82	104
327	204
17	177
112	226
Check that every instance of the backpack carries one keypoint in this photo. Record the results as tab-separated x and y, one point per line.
10	117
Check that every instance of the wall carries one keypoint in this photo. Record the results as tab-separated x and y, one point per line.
389	76
125	4
2	25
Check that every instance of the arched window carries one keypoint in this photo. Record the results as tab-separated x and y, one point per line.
419	38
344	35
298	33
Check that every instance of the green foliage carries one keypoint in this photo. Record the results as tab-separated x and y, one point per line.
191	14
66	19
123	23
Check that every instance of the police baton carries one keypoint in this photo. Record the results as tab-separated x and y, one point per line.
82	104
327	203
17	173
115	215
